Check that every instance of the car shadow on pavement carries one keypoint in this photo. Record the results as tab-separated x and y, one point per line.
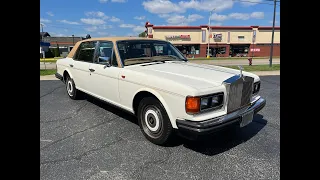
222	141
210	145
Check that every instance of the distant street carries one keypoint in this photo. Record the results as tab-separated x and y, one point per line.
214	62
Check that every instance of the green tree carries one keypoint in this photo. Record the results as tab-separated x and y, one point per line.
143	34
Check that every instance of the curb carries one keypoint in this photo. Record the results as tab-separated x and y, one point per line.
48	77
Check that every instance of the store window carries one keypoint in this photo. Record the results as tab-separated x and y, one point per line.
189	50
239	50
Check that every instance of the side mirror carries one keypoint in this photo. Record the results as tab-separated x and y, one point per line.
104	60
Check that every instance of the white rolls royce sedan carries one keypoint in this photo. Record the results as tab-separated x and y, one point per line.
153	80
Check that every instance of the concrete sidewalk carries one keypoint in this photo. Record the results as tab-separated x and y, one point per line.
259	73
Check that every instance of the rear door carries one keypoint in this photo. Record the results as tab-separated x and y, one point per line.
82	61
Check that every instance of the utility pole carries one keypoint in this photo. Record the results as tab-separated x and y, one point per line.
208	55
73	39
273	23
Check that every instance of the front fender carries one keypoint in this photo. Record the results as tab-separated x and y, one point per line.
163	102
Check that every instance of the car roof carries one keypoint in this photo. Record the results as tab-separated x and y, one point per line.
113	39
119	39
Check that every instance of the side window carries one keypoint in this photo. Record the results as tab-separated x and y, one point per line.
105	50
86	51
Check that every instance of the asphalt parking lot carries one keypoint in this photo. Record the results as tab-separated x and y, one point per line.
88	139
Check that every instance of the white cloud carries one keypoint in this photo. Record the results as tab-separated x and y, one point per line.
97	14
119	1
167	6
127	25
250	2
50	13
103	1
163	15
68	22
194	17
257	15
176	19
92	21
91	29
114	19
42	20
162	7
182	20
217	17
106	26
140	17
239	16
207	5
139	29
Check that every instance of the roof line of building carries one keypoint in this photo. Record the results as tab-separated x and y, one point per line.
212	27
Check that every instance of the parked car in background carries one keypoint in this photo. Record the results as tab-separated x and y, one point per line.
163	89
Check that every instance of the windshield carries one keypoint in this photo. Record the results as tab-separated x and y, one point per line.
145	51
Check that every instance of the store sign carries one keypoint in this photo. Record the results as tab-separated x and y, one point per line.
217	36
255	50
178	37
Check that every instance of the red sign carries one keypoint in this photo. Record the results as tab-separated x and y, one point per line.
185	36
178	36
255	50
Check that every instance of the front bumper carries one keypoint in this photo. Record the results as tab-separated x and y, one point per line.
218	123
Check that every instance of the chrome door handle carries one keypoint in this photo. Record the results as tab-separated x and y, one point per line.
92	70
70	65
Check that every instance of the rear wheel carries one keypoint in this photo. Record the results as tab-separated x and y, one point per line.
154	121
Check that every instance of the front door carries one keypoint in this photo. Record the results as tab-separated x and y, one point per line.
104	77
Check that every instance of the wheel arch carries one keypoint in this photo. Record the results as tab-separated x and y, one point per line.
147	92
65	73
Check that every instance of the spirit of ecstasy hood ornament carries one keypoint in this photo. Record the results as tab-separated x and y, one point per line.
241	68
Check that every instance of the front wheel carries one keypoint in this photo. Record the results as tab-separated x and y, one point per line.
71	88
154	121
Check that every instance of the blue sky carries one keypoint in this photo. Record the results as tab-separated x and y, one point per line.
127	17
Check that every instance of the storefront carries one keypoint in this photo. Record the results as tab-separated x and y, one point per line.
225	41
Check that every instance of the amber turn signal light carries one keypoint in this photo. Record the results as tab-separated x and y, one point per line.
192	105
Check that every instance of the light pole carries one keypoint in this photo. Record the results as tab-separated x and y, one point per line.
208	55
274	20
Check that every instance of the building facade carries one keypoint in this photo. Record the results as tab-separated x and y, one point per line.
225	41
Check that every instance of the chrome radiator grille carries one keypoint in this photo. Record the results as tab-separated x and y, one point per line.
239	92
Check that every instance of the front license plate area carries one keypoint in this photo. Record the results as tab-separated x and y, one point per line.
246	118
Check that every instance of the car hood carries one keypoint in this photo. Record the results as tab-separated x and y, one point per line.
194	75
